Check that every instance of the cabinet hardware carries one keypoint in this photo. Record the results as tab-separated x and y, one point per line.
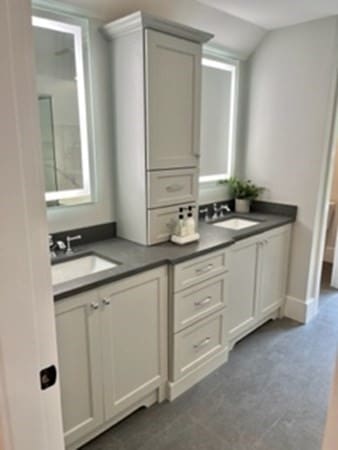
203	302
106	302
204	269
202	343
94	305
174	188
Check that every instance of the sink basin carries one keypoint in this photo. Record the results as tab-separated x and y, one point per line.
80	267
236	224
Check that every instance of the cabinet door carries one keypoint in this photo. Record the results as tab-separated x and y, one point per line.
273	270
78	338
242	287
173	78
135	339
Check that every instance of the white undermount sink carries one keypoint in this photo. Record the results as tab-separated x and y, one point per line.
80	267
236	224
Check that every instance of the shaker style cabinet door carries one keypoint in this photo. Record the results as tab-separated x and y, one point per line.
135	339
173	79
274	270
79	350
243	287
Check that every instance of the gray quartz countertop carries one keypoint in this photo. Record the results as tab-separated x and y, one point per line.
134	258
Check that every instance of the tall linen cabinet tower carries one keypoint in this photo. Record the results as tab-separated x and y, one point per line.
156	89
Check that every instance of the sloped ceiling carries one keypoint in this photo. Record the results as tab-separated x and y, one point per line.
271	14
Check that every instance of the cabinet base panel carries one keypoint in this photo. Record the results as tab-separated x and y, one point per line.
272	316
147	401
176	388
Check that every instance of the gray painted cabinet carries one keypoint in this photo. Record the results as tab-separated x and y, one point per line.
198	334
257	279
112	345
156	87
173	71
79	350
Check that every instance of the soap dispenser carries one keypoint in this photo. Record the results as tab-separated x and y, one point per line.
190	223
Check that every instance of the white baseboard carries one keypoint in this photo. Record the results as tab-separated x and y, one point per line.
300	310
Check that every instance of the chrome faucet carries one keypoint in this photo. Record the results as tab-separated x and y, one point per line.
205	212
51	244
70	239
224	209
216	210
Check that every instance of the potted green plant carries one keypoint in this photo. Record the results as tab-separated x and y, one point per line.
244	191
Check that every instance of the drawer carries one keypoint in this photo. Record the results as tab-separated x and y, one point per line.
161	223
172	187
196	344
199	301
199	269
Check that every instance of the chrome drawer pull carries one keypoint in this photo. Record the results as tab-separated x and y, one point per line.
94	306
174	188
204	269
203	302
106	301
202	343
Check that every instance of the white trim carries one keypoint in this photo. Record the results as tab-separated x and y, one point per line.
142	20
300	310
76	31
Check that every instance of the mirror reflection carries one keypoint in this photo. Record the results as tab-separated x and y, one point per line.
62	109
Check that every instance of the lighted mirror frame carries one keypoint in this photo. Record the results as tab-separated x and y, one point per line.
214	58
76	31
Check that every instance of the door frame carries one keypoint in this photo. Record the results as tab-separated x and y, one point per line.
30	418
324	191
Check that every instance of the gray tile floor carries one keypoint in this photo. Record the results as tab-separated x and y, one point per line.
271	395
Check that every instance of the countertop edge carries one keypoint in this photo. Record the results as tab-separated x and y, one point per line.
169	261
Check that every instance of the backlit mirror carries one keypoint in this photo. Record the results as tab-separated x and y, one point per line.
62	109
218	116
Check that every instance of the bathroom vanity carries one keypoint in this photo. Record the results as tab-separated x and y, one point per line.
139	323
163	317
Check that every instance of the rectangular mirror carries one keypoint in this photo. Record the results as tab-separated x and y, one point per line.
218	117
62	109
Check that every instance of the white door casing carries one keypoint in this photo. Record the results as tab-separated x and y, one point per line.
31	419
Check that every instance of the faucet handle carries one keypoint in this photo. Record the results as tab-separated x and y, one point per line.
70	239
50	240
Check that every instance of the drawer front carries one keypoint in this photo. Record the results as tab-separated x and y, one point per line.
162	222
199	301
199	269
196	344
171	187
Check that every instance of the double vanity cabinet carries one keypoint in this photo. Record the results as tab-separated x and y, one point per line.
151	336
163	326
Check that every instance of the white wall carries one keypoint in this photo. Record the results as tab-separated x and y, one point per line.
291	79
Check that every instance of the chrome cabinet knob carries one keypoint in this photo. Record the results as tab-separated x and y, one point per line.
106	302
94	306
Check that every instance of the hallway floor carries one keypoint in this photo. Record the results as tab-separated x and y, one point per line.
271	395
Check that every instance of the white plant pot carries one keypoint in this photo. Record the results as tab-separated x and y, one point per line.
242	205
